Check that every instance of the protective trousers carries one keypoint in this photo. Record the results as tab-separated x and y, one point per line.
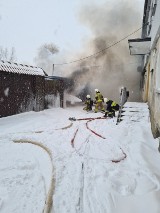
99	106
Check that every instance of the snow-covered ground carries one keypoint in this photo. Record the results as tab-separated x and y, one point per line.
99	167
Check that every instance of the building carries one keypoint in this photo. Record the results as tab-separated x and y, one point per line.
21	88
54	91
148	48
26	88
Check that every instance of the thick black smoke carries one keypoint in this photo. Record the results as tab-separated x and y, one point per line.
77	87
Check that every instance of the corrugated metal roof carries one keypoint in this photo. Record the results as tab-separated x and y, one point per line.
7	66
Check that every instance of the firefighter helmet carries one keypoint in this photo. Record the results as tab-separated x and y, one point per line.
96	90
88	96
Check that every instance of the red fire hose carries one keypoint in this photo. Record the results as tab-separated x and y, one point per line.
94	131
119	160
72	141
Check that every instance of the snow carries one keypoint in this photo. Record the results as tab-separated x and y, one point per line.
115	171
7	66
6	92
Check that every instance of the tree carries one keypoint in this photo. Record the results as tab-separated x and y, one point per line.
44	58
52	49
7	55
12	55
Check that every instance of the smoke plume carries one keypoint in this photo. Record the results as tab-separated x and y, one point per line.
77	87
113	68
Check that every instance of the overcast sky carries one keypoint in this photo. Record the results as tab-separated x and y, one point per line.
27	24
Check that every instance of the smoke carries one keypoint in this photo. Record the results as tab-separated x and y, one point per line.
44	58
77	87
114	68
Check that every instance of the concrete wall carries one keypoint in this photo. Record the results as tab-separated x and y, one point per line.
151	76
151	88
146	82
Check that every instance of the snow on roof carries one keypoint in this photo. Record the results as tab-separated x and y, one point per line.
7	66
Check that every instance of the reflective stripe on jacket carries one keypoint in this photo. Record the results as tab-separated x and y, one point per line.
99	97
113	104
89	101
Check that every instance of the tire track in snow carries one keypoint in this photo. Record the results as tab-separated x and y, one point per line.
80	201
80	204
83	191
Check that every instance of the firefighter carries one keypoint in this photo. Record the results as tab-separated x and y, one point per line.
111	108
98	101
89	103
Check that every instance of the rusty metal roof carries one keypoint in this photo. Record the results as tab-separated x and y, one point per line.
7	66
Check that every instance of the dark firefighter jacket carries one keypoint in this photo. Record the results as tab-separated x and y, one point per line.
112	106
89	101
